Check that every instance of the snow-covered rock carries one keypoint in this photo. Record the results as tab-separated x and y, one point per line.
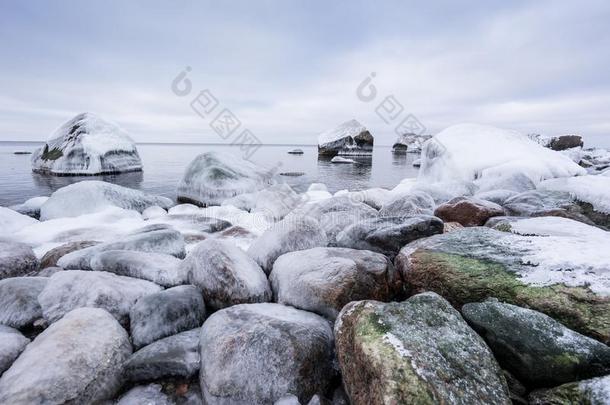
559	142
259	353
78	360
87	144
19	307
153	212
412	203
213	177
86	197
374	197
296	151
31	207
409	143
316	192
339	159
274	202
16	259
226	275
11	221
70	289
324	280
160	268
165	313
591	189
469	152
349	138
12	343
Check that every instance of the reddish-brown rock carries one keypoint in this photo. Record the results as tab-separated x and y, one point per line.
468	211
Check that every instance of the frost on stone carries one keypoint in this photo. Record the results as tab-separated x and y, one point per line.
410	143
87	145
86	197
12	343
12	221
16	259
31	207
349	138
592	189
273	202
19	307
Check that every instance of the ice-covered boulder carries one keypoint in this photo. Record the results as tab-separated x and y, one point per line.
151	394
173	356
225	274
86	197
12	343
468	211
11	221
165	313
77	360
339	159
16	259
31	207
544	353
160	268
419	351
559	142
87	145
349	138
469	152
415	202
213	177
592	189
409	143
70	289
19	307
259	353
274	202
323	280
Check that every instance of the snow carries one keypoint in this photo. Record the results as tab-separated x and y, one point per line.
598	389
592	189
31	207
87	144
339	159
350	129
12	221
467	152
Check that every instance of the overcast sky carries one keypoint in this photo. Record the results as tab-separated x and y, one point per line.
290	69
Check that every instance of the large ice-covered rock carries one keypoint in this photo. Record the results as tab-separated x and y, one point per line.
409	143
16	259
19	307
12	221
468	152
86	197
413	203
70	289
89	145
77	360
225	274
349	138
259	353
12	343
592	189
213	177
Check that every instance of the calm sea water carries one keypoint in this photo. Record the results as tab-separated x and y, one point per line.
164	165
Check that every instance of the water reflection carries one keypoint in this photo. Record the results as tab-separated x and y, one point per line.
50	183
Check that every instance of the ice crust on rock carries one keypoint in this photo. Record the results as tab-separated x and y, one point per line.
19	307
12	343
592	189
87	144
11	221
16	259
274	202
349	138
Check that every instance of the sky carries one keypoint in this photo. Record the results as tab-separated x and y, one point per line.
288	70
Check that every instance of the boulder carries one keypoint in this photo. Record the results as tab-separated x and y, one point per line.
496	196
349	138
373	197
324	280
31	207
87	197
12	343
419	351
225	274
165	313
287	235
473	264
409	143
595	391
16	259
51	258
19	306
78	360
214	177
70	289
274	202
173	356
564	142
544	352
12	221
160	268
87	145
151	394
468	211
388	235
516	181
407	205
259	353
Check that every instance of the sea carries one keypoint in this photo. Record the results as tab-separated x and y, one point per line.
164	165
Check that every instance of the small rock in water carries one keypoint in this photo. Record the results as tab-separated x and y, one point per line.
226	275
12	343
19	307
16	259
79	359
296	151
468	211
292	174
349	138
19	152
339	159
419	351
165	313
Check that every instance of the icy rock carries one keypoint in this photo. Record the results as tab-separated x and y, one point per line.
597	159
31	207
153	212
159	268
406	205
214	177
446	191
513	181
11	221
388	235
593	190
72	289
16	259
288	400
296	151
226	275
151	394
19	306
324	280
496	196
564	142
166	241
595	391
86	197
468	211
471	152
165	313
48	271
417	163
12	343
349	138
87	145
79	360
409	143
419	351
259	353
544	352
173	356
374	197
564	277
51	258
339	159
288	235
274	202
